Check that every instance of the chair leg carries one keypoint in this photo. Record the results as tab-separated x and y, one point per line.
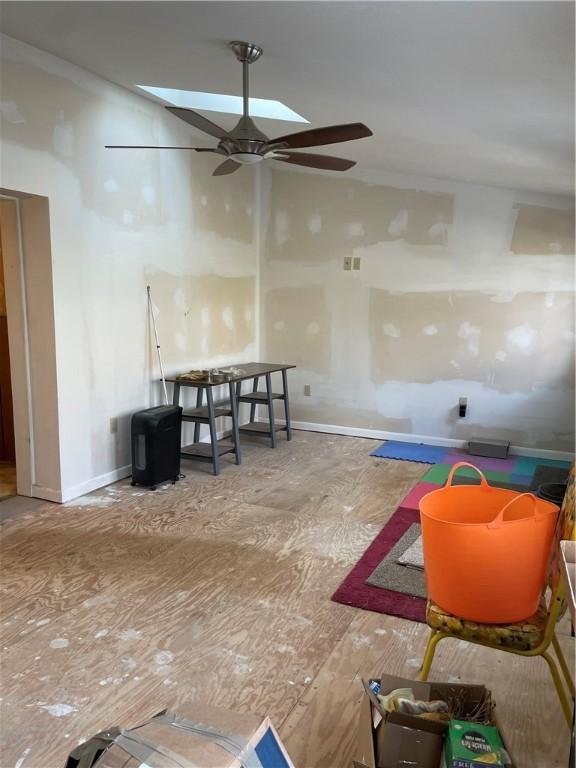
559	688
433	641
563	665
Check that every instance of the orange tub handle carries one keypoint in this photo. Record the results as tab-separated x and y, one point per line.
483	481
499	519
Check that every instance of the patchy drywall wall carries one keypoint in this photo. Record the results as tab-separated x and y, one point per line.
203	318
539	230
121	220
371	215
462	291
298	323
521	343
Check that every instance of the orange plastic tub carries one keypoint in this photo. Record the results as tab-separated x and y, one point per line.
485	550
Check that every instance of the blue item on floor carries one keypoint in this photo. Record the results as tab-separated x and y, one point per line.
419	452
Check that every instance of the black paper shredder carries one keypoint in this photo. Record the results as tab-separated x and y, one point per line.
156	445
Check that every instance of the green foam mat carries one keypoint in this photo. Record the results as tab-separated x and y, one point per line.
438	474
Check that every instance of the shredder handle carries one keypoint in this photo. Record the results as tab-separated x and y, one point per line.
483	481
499	519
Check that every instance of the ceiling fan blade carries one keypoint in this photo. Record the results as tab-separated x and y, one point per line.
198	121
332	134
147	146
326	162
228	166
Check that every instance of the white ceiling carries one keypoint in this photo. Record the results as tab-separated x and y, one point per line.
477	91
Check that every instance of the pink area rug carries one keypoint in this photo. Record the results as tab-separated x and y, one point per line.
412	500
353	590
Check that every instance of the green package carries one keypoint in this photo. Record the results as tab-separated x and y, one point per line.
471	745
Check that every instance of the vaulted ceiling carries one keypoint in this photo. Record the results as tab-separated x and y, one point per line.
476	91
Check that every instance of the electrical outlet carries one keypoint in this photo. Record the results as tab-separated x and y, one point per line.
462	407
307	391
356	262
347	263
113	425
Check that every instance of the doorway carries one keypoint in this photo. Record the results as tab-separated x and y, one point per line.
7	445
29	298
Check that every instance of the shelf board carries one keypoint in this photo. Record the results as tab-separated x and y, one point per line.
204	450
201	414
260	427
259	397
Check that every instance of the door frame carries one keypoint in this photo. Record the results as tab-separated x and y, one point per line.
13	258
26	251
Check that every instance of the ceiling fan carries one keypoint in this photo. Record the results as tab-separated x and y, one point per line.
246	144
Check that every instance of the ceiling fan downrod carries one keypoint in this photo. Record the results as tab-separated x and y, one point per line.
249	140
246	53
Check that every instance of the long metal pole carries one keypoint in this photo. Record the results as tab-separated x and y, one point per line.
151	310
245	86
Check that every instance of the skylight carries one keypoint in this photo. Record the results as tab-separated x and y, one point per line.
220	102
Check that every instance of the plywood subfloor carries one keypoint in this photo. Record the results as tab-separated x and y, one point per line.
218	590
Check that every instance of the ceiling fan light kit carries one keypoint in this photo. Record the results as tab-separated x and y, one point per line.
247	158
245	144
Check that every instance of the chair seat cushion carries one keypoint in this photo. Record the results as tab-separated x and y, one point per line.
524	636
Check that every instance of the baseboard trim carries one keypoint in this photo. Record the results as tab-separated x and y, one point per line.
541	453
74	491
48	494
68	494
378	434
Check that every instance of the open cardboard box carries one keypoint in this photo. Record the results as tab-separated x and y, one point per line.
400	739
197	736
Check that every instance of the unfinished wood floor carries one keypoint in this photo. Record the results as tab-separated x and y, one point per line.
127	601
7	479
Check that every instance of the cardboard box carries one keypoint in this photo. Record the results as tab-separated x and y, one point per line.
401	744
388	740
195	737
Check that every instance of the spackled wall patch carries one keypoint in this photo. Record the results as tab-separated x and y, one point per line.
330	217
298	327
516	345
204	317
539	230
121	220
464	291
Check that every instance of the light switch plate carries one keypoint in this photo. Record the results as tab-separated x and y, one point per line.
356	262
307	391
347	263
